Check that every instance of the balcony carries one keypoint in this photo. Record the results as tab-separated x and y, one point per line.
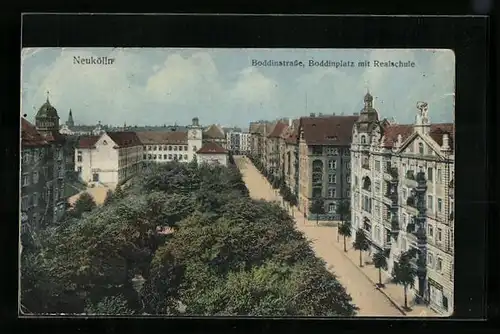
411	201
365	166
394	225
391	174
410	180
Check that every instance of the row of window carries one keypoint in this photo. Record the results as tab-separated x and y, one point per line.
26	180
33	199
332	193
329	150
438	178
166	148
179	157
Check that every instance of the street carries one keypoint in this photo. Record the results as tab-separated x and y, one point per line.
370	301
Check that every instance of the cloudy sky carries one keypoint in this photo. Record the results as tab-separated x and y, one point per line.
167	86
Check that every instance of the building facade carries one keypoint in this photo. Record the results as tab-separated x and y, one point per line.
213	154
42	169
324	162
233	143
274	151
245	143
402	196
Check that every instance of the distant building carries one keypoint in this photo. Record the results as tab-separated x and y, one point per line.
215	133
69	128
245	143
42	169
213	154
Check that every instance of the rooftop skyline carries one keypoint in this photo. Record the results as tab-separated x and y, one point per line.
167	86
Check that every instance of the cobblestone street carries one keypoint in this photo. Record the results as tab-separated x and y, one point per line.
358	282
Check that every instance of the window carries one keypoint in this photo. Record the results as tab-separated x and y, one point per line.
440	205
144	148
331	192
332	164
35	199
155	148
26	157
144	156
170	148
355	180
165	157
159	156
430	259
26	180
439	234
35	177
150	156
431	231
175	148
430	204
79	169
421	148
180	157
24	202
194	149
377	165
363	139
79	157
404	193
348	179
95	177
429	174
170	156
439	175
439	264
332	178
154	156
331	207
332	151
160	148
185	155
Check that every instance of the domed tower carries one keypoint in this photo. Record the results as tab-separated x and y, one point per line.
47	119
368	119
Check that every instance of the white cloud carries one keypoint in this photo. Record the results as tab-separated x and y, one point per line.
253	87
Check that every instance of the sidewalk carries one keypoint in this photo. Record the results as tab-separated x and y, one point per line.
327	236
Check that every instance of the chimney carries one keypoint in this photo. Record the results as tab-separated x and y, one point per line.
195	121
333	114
312	114
446	142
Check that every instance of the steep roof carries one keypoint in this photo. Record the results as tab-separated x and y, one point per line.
277	130
30	137
392	131
162	137
87	141
212	148
124	138
328	130
47	110
214	132
439	129
292	133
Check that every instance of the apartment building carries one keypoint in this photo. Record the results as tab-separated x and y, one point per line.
244	143
42	169
324	161
289	143
233	141
402	196
274	153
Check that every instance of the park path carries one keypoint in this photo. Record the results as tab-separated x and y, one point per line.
365	295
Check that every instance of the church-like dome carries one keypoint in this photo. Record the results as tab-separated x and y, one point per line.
46	111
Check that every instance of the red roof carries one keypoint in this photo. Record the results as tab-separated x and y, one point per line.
328	130
125	138
167	137
30	136
87	141
212	148
391	132
438	129
278	129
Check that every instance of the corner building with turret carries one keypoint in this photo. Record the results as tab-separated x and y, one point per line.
402	197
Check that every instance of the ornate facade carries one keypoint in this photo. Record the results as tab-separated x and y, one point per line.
402	196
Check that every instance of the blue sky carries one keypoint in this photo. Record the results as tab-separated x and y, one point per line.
165	86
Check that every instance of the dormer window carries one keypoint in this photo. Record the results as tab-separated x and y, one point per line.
363	139
104	142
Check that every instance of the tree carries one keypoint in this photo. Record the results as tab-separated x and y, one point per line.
344	211
404	274
362	244
84	203
345	231
380	262
114	305
119	193
109	197
317	208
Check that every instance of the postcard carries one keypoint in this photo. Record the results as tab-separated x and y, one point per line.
237	182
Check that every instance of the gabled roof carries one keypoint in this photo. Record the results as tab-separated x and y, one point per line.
211	148
163	137
124	138
328	130
30	137
214	132
87	142
277	130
